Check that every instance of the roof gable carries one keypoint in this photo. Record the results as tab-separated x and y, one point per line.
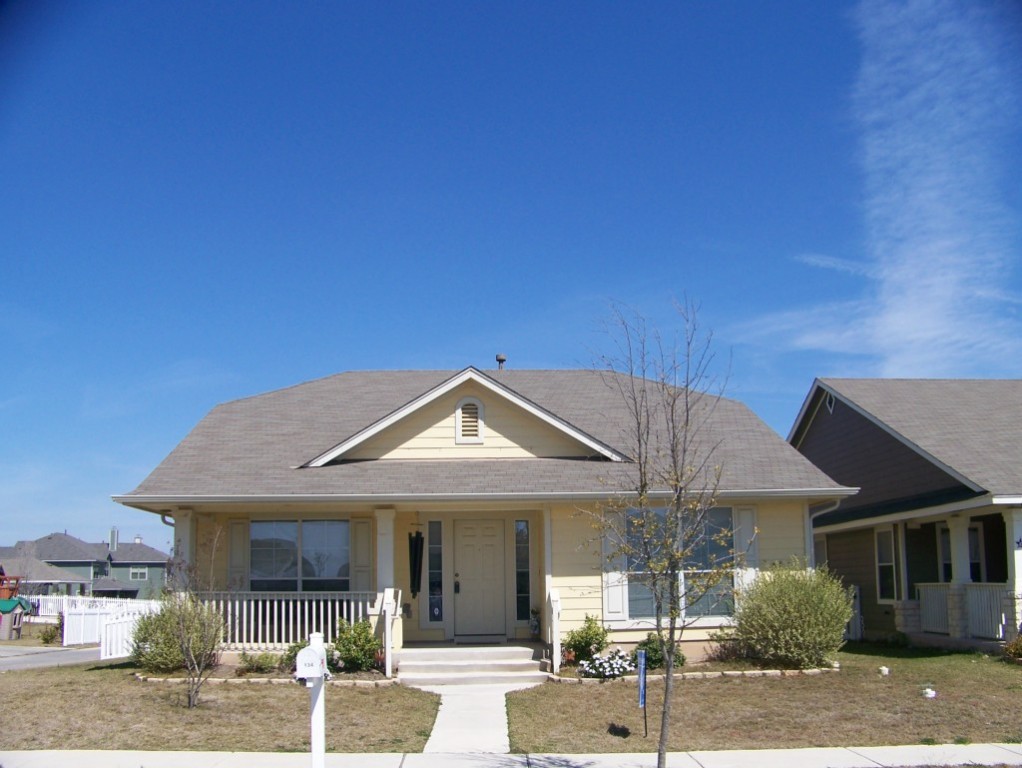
965	428
433	412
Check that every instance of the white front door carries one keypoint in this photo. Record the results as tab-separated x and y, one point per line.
479	607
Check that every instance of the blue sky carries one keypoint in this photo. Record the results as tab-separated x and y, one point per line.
204	201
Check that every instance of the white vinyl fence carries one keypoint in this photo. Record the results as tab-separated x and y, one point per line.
52	606
83	625
117	633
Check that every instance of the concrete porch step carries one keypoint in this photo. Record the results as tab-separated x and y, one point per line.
470	665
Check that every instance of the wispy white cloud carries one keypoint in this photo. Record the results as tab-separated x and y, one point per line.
937	101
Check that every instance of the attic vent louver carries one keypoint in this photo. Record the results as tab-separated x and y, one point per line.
469	421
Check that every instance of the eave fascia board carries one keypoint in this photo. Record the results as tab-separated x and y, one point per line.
901	438
940	510
148	502
476	376
802	412
1011	501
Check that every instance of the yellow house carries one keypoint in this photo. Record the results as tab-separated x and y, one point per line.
320	500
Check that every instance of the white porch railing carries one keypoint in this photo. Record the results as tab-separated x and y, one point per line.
985	605
275	620
554	629
933	607
389	613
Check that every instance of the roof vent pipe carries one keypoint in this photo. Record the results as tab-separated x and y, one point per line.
501	359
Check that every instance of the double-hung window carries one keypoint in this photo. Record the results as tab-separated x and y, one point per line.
706	581
306	556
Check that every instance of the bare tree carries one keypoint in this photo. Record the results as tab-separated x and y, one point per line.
196	625
664	529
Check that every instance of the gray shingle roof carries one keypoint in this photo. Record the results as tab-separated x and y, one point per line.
255	446
34	571
969	425
62	547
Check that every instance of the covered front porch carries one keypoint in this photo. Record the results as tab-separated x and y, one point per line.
964	577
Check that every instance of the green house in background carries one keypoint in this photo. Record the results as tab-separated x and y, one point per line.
108	569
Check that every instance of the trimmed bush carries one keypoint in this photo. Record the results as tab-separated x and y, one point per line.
586	641
793	616
655	654
155	646
356	646
259	663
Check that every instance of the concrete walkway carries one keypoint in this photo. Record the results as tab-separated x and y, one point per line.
472	719
838	757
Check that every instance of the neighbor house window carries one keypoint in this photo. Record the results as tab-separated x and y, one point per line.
711	549
138	573
887	572
306	556
523	603
468	421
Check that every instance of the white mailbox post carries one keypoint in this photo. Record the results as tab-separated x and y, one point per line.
311	671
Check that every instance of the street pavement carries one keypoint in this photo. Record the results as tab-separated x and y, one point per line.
15	657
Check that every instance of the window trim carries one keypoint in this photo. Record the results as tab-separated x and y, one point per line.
132	570
299	577
615	578
893	564
460	438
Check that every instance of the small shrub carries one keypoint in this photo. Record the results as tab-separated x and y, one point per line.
585	642
793	616
356	646
260	663
48	634
155	646
614	664
654	653
1013	649
726	646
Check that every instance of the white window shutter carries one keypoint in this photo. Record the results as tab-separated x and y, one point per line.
361	555
746	546
615	577
238	548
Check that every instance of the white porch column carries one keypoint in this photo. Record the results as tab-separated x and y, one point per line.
1013	595
384	547
958	527
957	609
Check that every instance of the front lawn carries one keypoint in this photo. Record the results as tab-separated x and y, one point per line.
977	701
105	707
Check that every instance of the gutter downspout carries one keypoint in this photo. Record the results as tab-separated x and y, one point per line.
810	545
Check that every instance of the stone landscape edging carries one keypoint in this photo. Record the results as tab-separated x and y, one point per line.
386	682
699	675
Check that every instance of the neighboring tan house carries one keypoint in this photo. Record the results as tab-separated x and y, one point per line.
109	569
315	490
933	539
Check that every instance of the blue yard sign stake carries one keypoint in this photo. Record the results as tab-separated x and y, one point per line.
641	657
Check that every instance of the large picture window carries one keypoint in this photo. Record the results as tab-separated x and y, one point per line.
305	556
712	548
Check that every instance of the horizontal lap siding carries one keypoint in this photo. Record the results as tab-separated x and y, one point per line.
851	556
430	433
576	567
781	532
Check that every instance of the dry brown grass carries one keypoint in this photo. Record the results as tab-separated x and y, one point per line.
105	707
976	702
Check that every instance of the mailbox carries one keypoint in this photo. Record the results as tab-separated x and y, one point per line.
310	666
